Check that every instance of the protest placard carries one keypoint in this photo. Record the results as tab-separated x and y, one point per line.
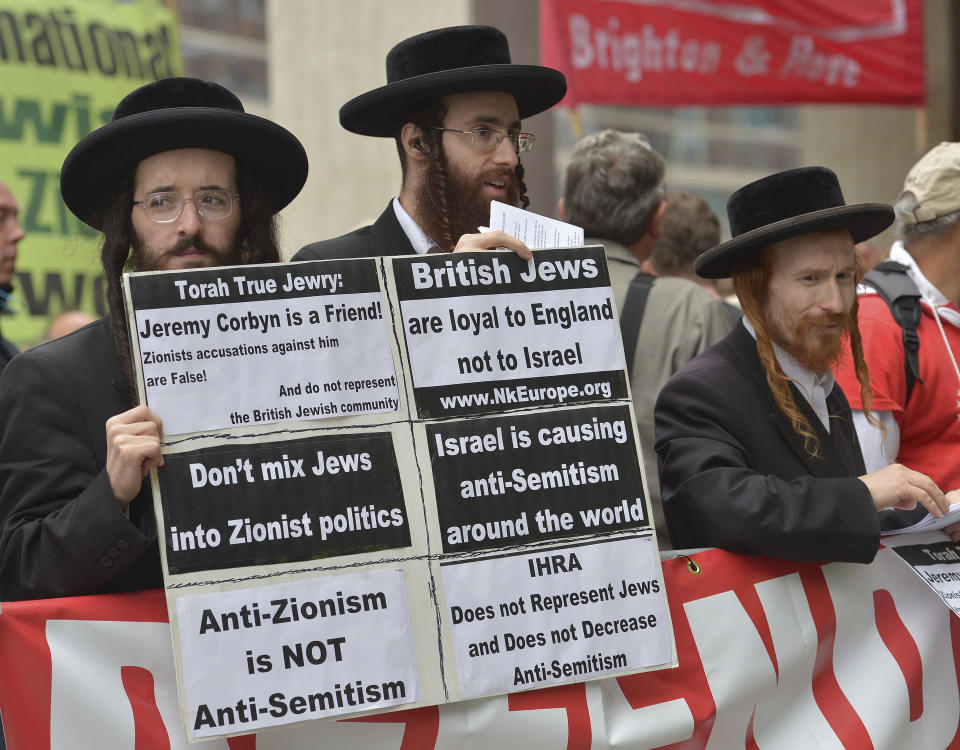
248	504
546	628
247	345
436	437
934	559
315	648
532	477
488	332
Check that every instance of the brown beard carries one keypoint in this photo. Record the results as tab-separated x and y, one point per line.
142	262
817	352
467	208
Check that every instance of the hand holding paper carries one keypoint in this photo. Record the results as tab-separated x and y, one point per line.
532	229
930	522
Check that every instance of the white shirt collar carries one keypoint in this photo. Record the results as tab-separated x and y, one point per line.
418	238
814	388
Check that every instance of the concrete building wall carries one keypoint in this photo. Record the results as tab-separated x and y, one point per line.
871	148
321	54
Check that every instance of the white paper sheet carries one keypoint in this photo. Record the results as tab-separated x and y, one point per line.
531	229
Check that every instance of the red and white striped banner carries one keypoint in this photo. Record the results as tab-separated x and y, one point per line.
772	654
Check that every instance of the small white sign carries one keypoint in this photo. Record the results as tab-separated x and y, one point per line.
274	655
513	336
566	614
249	345
533	230
248	363
935	559
945	580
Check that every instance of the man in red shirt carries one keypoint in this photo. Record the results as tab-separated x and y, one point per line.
922	427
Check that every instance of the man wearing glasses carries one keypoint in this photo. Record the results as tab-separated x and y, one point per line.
454	104
181	177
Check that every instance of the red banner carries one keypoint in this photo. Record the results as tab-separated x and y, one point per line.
701	52
772	654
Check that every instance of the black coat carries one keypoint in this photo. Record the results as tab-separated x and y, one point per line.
62	533
384	237
7	352
734	474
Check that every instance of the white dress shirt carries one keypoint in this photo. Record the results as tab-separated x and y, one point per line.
418	238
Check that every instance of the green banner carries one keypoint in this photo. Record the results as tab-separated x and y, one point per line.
64	66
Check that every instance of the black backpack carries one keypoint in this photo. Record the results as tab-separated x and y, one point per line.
891	282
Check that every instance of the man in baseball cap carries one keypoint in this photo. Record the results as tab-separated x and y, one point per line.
453	103
180	178
756	447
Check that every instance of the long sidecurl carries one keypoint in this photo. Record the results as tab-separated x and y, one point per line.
751	285
521	185
115	255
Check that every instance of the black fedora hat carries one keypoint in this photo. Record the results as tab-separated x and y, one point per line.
784	205
454	60
175	113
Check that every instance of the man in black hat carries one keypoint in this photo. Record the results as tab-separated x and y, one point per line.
181	177
454	104
756	446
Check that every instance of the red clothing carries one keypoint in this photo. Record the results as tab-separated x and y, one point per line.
930	421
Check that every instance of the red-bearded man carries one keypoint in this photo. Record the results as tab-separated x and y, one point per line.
756	444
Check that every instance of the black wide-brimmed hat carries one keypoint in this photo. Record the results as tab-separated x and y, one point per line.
454	60
175	113
784	205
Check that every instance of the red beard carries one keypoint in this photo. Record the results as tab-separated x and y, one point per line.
814	349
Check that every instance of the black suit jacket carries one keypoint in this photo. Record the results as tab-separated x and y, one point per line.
62	533
734	474
383	237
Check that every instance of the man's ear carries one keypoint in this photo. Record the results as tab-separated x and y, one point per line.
411	136
654	229
561	211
